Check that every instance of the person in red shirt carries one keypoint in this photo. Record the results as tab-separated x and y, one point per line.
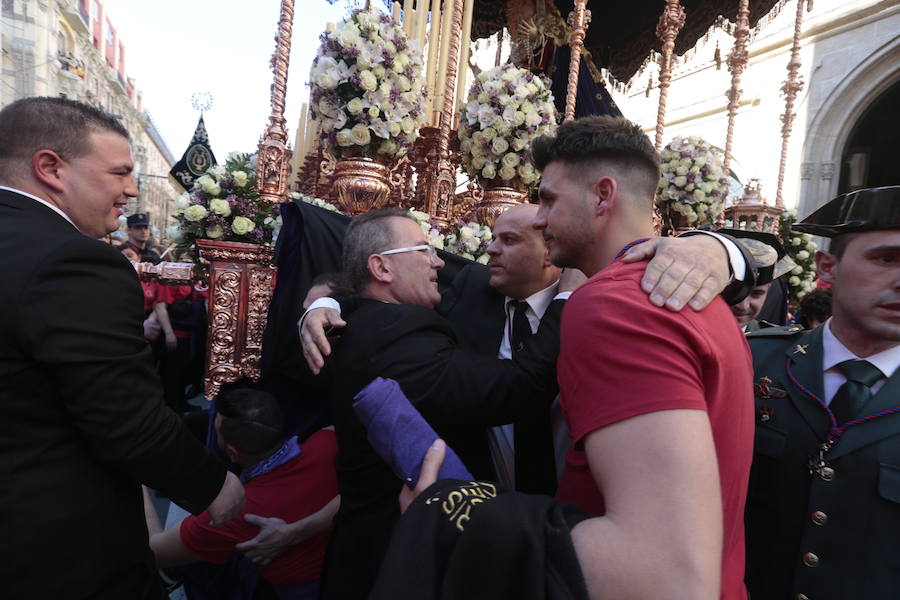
659	403
281	478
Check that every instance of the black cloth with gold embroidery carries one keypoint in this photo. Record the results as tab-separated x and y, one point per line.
474	541
196	159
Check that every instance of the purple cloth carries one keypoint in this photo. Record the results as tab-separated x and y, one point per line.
399	434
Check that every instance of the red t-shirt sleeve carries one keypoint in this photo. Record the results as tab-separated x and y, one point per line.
172	293
622	357
213	544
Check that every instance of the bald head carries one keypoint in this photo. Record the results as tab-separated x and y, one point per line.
519	262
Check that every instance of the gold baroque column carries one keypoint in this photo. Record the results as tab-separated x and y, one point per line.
790	89
274	153
241	283
670	23
442	191
737	62
579	19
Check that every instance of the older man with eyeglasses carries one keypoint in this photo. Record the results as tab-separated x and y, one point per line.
395	333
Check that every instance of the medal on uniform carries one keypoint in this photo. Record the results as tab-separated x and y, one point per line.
764	389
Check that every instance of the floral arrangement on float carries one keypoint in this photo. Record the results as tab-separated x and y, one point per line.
467	239
224	205
367	91
802	249
366	87
315	201
507	108
693	185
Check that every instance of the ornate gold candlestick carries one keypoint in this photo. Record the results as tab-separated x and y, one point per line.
578	22
670	23
737	62
791	88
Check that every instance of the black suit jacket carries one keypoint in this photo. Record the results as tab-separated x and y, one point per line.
470	294
82	417
449	386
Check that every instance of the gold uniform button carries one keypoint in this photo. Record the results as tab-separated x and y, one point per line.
810	560
801	597
827	474
819	518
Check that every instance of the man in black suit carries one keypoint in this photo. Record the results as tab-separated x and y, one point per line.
82	418
394	332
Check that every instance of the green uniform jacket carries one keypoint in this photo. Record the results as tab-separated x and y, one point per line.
833	535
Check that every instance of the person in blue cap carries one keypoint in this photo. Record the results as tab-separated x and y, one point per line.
139	237
823	511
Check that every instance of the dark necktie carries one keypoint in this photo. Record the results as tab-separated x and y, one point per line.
533	435
856	391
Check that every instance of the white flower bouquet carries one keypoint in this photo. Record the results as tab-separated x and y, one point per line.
366	87
802	249
224	205
469	240
693	181
507	108
316	202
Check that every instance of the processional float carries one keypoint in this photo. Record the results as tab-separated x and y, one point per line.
425	179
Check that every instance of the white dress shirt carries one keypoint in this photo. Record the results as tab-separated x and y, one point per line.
834	352
502	439
42	201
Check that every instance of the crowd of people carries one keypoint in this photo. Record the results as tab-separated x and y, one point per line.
623	423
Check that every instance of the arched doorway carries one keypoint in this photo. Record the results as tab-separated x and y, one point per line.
834	123
871	154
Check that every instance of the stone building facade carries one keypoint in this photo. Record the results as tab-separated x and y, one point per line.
847	121
70	48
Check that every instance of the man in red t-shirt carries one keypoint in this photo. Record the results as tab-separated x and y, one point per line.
659	403
281	478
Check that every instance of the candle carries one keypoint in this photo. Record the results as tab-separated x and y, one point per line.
407	13
302	141
444	55
395	13
465	41
434	37
420	26
329	27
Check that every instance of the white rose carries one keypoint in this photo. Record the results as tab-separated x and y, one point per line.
394	128
408	125
532	118
797	270
507	173
220	207
240	178
242	225
360	134
355	106
344	138
483	259
368	81
518	117
489	171
803	255
182	202
379	71
795	241
489	133
511	160
374	112
174	233
208	185
680	181
327	80
518	144
478	162
699	195
499	145
195	213
794	280
466	233
214	232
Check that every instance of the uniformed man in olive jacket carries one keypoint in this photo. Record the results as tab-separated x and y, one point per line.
770	261
823	512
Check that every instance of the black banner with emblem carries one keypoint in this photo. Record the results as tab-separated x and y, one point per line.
196	159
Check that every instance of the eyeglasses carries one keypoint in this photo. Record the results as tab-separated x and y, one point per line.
426	248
